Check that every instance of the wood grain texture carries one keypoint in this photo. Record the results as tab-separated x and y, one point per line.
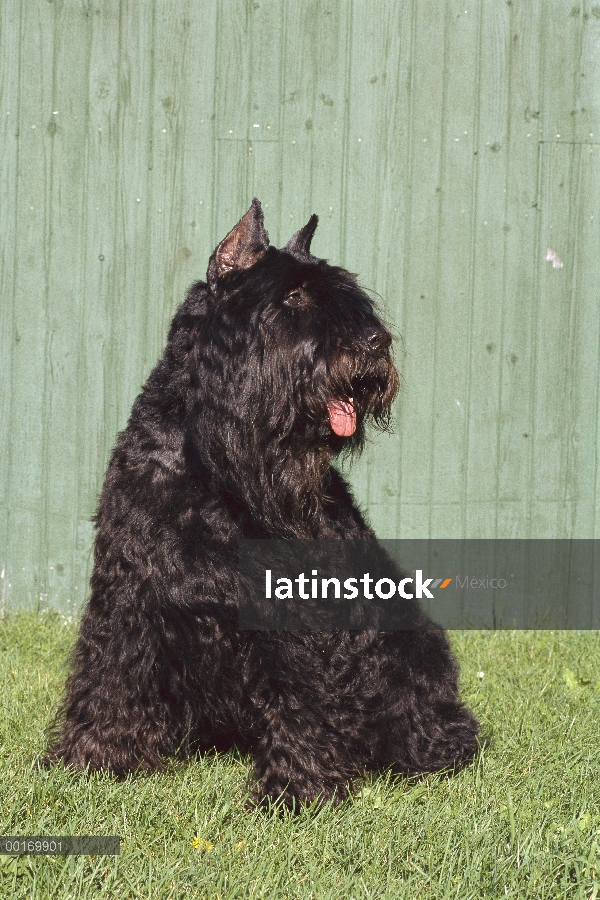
446	148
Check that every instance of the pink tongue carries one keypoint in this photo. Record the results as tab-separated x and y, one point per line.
342	418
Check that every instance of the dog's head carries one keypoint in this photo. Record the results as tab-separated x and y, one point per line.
302	351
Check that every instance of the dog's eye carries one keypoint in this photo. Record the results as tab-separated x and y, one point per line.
296	298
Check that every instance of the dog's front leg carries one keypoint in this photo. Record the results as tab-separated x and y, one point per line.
308	743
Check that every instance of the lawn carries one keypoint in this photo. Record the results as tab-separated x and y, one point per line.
524	821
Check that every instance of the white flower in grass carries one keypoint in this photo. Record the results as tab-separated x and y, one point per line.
480	675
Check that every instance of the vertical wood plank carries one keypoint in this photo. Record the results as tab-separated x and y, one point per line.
30	375
232	195
127	362
232	75
180	216
569	33
552	415
10	22
264	160
420	271
100	286
375	209
451	329
580	477
520	252
248	87
65	125
564	406
302	29
314	121
266	60
487	236
587	115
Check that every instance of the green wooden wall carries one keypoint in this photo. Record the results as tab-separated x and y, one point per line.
446	146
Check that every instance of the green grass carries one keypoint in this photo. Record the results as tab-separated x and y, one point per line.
524	821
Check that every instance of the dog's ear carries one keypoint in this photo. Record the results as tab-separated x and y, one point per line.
299	243
244	245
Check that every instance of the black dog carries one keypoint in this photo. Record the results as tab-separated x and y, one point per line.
270	370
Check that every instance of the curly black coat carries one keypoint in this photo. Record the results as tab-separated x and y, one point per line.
271	368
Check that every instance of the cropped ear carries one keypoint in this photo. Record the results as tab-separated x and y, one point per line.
244	245
299	244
